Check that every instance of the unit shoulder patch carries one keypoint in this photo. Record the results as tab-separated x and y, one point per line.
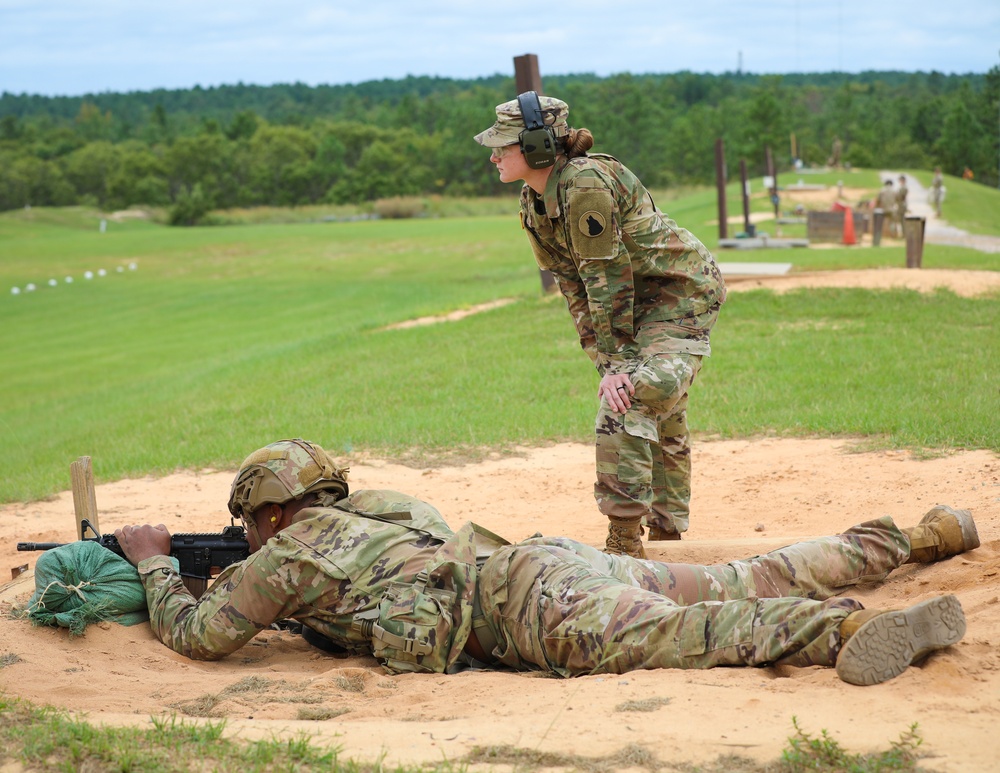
592	223
592	228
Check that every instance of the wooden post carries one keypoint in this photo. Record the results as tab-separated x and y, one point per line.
744	184
528	78
720	185
913	230
84	497
878	224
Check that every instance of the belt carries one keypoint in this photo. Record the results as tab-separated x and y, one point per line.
481	642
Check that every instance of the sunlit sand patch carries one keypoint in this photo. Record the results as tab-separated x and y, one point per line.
453	316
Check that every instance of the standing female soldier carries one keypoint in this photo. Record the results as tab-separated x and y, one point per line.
644	294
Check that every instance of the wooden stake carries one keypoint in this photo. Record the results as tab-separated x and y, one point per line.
527	77
84	497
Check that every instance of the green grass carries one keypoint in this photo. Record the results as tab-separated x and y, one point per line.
905	369
227	338
47	739
806	752
42	738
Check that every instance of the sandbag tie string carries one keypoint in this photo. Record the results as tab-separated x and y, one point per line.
77	589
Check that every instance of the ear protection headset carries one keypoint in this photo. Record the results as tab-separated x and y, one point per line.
537	141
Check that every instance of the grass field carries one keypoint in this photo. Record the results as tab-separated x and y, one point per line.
225	338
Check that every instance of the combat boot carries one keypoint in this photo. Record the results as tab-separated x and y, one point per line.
625	537
877	645
943	532
656	533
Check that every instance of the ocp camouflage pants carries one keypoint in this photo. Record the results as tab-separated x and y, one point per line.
558	605
644	457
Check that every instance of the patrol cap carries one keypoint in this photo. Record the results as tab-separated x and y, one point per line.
510	122
283	471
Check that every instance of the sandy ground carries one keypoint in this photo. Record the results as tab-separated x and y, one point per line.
750	497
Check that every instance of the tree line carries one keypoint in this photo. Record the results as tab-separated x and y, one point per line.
291	144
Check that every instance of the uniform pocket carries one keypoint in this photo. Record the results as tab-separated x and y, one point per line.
638	424
411	629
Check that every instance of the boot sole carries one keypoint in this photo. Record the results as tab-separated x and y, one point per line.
886	645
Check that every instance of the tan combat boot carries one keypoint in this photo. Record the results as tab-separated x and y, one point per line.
878	644
656	533
625	537
943	532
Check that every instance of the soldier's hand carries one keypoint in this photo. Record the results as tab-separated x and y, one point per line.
617	389
141	542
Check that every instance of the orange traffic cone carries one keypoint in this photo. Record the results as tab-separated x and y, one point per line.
849	237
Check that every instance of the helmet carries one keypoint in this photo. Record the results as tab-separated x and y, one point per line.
281	472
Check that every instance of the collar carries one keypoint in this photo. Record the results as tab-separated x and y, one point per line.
550	198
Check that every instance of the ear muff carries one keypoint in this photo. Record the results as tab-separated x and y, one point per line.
538	141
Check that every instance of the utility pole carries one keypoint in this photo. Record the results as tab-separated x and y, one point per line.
528	78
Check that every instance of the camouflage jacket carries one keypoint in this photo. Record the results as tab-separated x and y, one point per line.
378	572
886	199
619	261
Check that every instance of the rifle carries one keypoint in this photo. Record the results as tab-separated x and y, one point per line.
201	556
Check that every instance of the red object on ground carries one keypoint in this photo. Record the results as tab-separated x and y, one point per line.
849	236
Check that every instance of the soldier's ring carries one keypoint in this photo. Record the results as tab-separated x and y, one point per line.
621	387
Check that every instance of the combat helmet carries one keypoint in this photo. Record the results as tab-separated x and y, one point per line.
283	471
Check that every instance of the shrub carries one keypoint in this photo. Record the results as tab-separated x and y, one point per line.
398	207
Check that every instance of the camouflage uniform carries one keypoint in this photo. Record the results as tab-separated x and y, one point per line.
550	604
886	201
557	605
901	208
330	568
644	294
937	192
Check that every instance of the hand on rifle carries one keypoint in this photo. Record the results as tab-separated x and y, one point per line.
141	542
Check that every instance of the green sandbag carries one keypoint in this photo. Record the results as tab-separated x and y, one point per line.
81	583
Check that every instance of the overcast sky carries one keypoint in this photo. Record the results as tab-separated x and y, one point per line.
72	47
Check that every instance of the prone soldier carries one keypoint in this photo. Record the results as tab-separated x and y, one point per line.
381	573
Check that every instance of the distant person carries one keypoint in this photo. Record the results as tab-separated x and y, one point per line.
380	573
838	147
967	174
886	201
901	207
937	191
644	294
